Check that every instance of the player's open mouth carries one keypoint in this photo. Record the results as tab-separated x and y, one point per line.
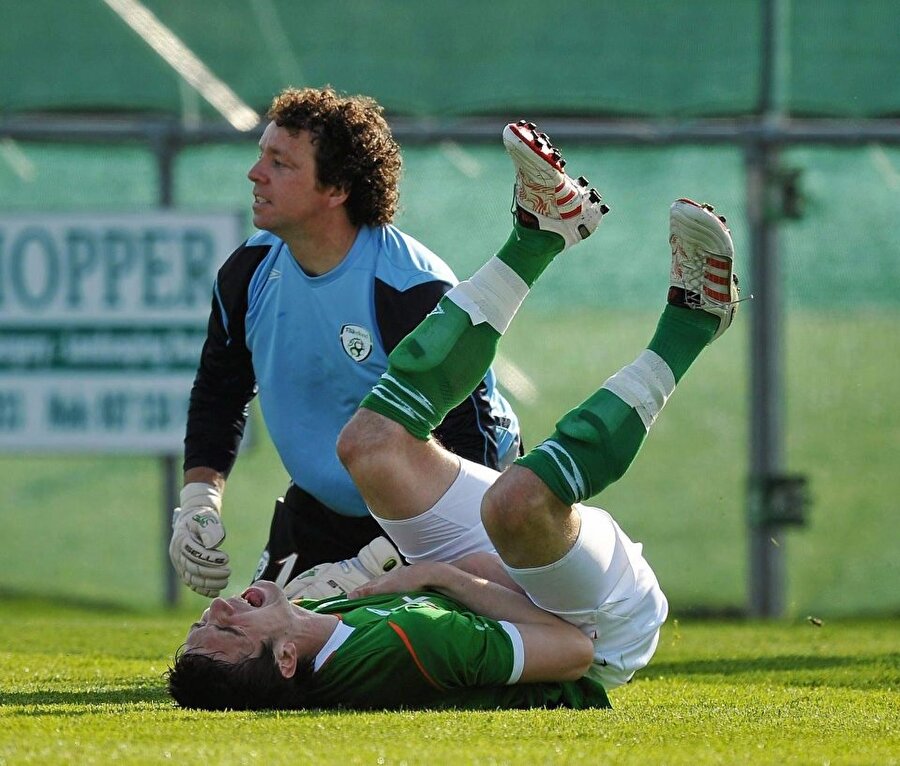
257	200
254	596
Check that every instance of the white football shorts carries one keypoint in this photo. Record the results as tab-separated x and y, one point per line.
452	527
603	585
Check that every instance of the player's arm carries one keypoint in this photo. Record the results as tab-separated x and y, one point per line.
489	566
206	475
216	417
222	390
224	384
554	649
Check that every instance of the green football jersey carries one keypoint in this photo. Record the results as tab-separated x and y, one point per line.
425	650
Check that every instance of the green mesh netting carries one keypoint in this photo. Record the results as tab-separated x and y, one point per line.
604	57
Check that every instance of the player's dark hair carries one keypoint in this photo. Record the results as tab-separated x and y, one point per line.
355	150
204	682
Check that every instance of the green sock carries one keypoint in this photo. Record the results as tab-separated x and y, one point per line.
441	362
681	335
595	443
433	369
529	251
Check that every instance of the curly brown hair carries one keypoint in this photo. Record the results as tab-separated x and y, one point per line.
355	150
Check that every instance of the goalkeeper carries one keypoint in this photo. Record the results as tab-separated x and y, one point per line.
306	312
517	594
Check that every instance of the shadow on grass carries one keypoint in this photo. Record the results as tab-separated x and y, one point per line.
35	701
35	704
22	599
792	669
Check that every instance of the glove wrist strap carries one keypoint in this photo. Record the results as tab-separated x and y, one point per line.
198	495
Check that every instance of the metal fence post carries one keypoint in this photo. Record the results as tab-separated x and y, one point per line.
164	148
766	584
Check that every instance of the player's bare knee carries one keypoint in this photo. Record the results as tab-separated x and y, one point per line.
513	503
365	442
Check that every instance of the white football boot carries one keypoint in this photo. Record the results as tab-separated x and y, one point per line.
544	196
702	274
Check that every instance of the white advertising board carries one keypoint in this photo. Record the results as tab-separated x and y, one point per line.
102	318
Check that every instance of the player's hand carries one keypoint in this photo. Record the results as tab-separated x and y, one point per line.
197	532
409	578
336	579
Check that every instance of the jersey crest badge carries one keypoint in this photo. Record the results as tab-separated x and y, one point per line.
357	342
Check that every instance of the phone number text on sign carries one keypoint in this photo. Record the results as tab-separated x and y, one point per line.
102	318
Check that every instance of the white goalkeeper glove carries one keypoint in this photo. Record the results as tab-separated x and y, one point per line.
197	532
339	578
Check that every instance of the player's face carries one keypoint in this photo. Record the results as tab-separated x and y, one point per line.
287	198
234	628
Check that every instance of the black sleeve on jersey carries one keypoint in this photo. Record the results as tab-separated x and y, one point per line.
398	312
468	429
225	382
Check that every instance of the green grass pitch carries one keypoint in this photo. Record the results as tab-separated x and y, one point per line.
86	686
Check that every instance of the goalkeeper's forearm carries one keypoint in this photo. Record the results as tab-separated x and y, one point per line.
205	475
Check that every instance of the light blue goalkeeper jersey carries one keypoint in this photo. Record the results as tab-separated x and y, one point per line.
317	345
